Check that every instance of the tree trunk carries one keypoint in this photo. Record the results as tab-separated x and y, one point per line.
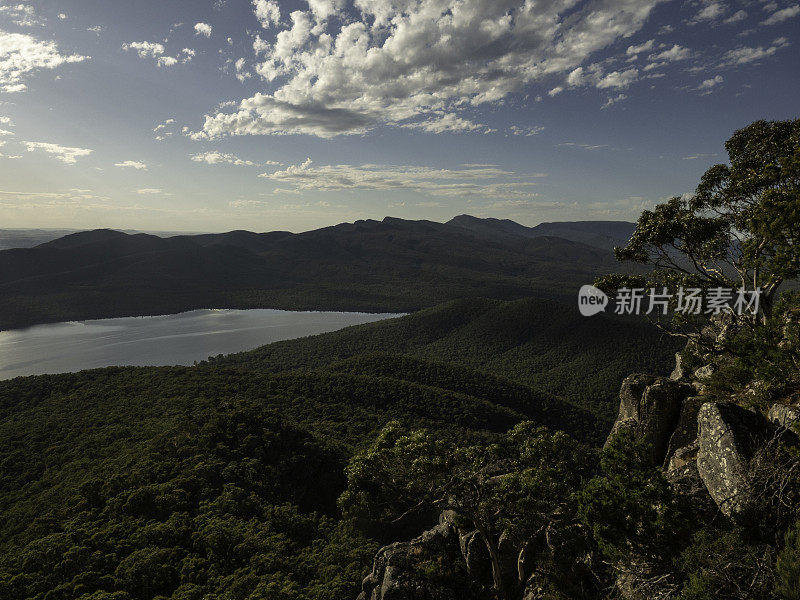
494	556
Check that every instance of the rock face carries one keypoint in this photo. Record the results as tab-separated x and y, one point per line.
395	573
650	408
685	433
783	415
728	437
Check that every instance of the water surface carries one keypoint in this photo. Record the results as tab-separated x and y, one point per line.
157	341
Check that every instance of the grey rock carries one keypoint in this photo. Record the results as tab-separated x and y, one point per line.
784	415
685	432
728	437
683	456
704	373
679	373
393	575
650	408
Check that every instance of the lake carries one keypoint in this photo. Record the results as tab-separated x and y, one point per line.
158	341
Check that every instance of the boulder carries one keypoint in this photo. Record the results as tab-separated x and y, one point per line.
783	415
685	433
728	437
650	408
395	574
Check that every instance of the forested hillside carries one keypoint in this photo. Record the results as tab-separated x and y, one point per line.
378	266
221	479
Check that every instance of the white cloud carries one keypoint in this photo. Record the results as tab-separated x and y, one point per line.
62	16
467	182
22	15
745	54
65	154
710	83
216	158
448	122
21	55
634	50
618	79
267	12
525	131
739	15
132	164
677	52
165	129
783	15
149	191
97	29
145	49
613	100
203	29
712	12
157	50
583	146
396	62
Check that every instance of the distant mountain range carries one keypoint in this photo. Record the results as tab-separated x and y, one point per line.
602	234
388	265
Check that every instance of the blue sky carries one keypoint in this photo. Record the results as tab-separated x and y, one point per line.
263	115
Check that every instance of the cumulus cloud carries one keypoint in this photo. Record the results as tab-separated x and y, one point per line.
710	83
145	49
618	79
217	158
267	12
397	62
21	55
65	154
203	29
157	50
132	164
479	181
782	15
22	15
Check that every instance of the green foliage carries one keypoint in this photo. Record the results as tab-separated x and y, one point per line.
723	564
787	571
740	229
514	488
630	508
762	363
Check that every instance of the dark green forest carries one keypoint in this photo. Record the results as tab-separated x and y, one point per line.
222	479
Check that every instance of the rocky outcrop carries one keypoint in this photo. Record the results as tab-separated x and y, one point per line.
728	436
784	415
685	433
396	574
650	408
